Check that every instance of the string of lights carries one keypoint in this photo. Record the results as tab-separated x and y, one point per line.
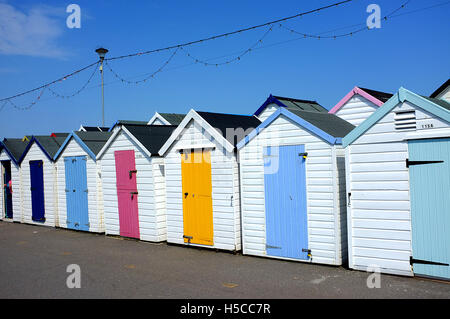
151	76
78	91
29	106
347	34
232	32
236	58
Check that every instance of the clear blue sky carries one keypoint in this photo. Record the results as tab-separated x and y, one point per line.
411	50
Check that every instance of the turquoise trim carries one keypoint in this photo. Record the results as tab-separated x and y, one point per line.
80	142
306	125
401	96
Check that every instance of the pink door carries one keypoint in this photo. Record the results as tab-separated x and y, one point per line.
127	193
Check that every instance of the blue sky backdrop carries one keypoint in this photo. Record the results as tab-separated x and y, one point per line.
410	50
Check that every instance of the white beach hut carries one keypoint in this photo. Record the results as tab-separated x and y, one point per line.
202	180
11	150
40	204
398	186
79	181
293	187
134	182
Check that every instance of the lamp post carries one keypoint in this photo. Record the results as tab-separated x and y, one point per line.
101	53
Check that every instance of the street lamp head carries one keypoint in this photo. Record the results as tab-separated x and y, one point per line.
101	52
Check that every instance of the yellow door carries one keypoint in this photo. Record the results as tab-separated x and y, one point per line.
197	197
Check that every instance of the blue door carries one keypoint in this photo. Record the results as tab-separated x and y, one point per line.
7	192
76	193
285	198
37	191
429	173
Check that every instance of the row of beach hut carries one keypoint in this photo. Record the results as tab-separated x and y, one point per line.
366	184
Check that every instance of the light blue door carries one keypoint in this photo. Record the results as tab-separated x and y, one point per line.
429	172
285	199
76	193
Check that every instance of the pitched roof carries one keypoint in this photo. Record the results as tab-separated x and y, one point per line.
15	147
173	118
51	144
440	89
437	107
94	140
152	137
329	123
376	97
222	122
291	104
329	127
94	128
126	122
382	96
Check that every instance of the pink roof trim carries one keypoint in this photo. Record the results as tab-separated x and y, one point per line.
356	90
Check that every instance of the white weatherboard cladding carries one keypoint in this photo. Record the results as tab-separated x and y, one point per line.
225	190
379	217
150	186
157	121
51	212
323	182
16	187
356	110
94	185
268	111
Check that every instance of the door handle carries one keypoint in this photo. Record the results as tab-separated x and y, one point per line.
131	173
186	195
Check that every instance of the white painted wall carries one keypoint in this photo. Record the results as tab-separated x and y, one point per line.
356	110
324	207
268	111
16	187
379	217
225	191
150	185
94	185
51	211
157	121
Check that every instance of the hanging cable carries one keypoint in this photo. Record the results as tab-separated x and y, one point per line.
152	75
237	58
23	108
231	33
76	92
335	36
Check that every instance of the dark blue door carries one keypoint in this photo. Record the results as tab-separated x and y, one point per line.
76	193
37	191
7	191
285	199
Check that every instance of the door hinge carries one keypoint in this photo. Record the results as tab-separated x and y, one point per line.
188	238
131	173
86	190
304	155
412	163
425	262
272	247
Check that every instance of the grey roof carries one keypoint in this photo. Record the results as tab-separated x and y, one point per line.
441	103
173	118
95	128
94	140
382	96
222	122
125	122
152	137
302	105
440	89
52	144
329	123
16	146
